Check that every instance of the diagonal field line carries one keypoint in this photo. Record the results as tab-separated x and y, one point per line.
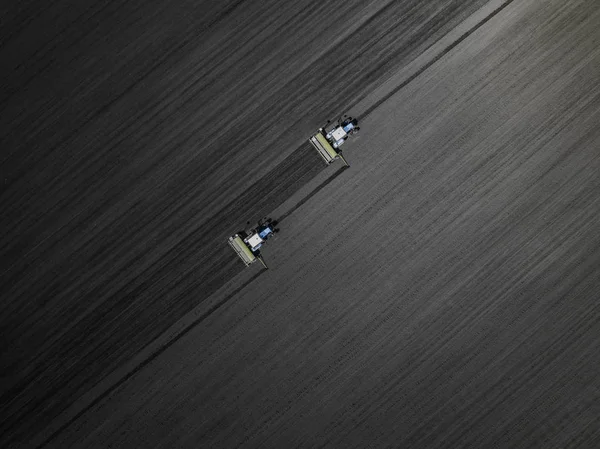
151	358
215	307
439	56
313	193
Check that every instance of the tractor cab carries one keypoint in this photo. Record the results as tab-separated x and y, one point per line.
338	135
259	236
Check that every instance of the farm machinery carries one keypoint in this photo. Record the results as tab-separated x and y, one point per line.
247	244
328	140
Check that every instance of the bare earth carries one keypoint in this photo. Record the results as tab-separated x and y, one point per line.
444	291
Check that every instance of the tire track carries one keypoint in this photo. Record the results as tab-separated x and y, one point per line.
439	56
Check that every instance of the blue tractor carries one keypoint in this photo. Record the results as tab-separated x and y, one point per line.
327	141
247	244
